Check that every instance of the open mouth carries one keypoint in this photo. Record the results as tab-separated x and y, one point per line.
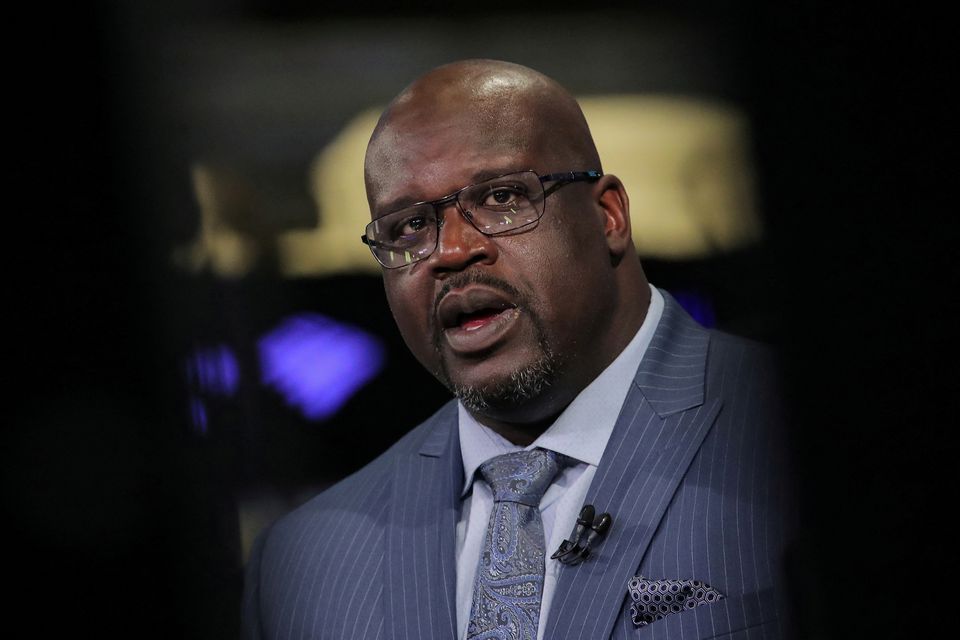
471	307
475	318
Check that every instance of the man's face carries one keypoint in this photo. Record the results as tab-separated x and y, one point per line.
505	320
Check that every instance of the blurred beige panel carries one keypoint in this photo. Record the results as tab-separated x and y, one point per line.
220	246
685	163
686	166
336	184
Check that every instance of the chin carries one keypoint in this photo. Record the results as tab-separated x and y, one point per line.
506	393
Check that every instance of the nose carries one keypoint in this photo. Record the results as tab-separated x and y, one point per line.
459	244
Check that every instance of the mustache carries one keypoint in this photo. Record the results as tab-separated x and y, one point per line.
465	278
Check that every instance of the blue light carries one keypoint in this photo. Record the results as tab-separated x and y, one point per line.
317	364
198	415
697	306
214	370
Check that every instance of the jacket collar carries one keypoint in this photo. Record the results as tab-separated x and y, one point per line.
672	373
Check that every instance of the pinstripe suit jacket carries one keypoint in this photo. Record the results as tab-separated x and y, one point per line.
692	474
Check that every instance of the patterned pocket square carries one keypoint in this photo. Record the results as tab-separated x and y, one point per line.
656	599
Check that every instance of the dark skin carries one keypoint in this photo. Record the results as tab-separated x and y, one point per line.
572	285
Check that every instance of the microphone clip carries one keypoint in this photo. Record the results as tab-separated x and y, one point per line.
587	532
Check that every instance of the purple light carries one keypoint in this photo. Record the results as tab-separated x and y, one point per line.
697	306
198	415
317	364
214	370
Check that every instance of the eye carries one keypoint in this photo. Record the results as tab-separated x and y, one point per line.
504	196
410	225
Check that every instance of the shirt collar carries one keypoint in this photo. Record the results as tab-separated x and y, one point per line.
583	429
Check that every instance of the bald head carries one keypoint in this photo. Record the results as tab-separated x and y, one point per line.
483	107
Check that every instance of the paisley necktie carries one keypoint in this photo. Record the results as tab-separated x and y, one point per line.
509	582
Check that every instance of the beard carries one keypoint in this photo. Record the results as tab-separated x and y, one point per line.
515	387
520	386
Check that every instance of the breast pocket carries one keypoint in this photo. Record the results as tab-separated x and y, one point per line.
754	616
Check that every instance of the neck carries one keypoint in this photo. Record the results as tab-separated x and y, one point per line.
517	433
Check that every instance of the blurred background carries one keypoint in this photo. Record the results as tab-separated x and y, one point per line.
198	341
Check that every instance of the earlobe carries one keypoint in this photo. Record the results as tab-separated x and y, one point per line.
613	201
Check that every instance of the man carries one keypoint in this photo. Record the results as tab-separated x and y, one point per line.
510	270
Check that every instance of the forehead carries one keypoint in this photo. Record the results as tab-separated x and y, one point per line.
423	156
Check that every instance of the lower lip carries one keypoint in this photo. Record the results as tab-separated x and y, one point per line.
480	333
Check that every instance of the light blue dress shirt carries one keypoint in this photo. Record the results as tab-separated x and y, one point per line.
580	432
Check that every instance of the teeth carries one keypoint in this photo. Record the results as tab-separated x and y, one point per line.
471	315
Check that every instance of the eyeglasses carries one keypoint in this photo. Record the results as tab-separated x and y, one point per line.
498	206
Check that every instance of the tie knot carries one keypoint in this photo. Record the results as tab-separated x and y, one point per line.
521	476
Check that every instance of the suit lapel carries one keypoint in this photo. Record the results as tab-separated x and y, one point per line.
420	568
661	426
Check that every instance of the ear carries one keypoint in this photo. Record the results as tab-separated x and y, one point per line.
615	205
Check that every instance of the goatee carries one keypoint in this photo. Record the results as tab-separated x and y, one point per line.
515	387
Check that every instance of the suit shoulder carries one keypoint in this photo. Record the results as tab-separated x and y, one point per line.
364	493
747	375
335	538
727	349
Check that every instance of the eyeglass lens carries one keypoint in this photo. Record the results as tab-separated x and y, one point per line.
496	206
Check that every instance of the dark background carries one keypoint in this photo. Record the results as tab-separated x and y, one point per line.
121	521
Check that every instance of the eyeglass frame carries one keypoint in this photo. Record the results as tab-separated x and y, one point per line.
562	179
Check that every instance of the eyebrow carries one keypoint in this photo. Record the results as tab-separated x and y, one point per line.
406	201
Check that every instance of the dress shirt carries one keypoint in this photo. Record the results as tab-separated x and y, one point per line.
580	432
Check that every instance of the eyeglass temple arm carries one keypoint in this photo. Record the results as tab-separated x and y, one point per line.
567	177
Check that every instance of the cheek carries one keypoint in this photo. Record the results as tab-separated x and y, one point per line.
571	279
566	248
411	310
